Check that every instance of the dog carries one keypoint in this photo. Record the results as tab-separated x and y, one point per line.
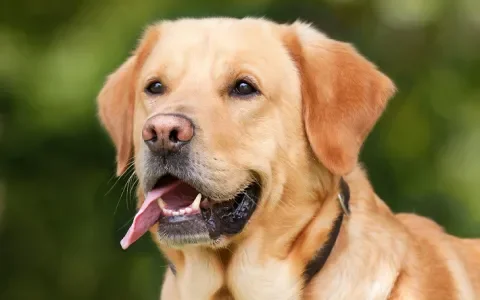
245	136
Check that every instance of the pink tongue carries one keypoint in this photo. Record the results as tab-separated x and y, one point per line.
147	215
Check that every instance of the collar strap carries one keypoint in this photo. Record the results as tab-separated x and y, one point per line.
318	261
172	267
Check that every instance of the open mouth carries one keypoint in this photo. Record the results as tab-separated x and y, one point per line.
186	216
179	198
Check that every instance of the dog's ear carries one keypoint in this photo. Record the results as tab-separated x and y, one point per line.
115	109
116	100
343	95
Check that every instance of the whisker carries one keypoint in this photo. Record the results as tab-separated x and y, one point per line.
128	186
128	169
130	193
125	187
126	223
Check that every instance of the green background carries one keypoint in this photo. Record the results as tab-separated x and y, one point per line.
62	211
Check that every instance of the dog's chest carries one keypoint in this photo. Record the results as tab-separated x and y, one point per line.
245	274
251	277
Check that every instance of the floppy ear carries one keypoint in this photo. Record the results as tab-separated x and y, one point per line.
116	100
115	109
343	96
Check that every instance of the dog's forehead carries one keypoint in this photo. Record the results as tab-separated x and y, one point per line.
186	45
218	32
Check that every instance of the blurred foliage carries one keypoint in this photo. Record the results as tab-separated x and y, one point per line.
62	212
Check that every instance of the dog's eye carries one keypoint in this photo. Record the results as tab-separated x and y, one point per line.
155	88
243	88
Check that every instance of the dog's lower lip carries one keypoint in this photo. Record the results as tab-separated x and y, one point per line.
215	219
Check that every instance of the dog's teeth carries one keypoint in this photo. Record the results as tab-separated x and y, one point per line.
188	210
196	203
182	211
176	213
161	204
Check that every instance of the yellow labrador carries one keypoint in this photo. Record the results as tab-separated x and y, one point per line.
245	135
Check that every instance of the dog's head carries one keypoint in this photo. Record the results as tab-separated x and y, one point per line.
225	118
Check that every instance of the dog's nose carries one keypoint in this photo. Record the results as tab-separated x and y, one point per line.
167	133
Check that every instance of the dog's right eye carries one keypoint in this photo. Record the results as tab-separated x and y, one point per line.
155	88
243	88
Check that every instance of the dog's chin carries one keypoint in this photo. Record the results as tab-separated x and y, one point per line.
213	224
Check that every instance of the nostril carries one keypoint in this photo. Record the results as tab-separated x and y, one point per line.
150	134
154	138
153	135
173	136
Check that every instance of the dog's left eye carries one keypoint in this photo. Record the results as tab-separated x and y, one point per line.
155	88
243	88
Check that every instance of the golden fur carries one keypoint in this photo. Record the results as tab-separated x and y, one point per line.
320	98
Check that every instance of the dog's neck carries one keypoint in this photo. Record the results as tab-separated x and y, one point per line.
306	242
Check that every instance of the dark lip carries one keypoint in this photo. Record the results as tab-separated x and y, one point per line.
222	218
230	217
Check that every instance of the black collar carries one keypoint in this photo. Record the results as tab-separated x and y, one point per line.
319	260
